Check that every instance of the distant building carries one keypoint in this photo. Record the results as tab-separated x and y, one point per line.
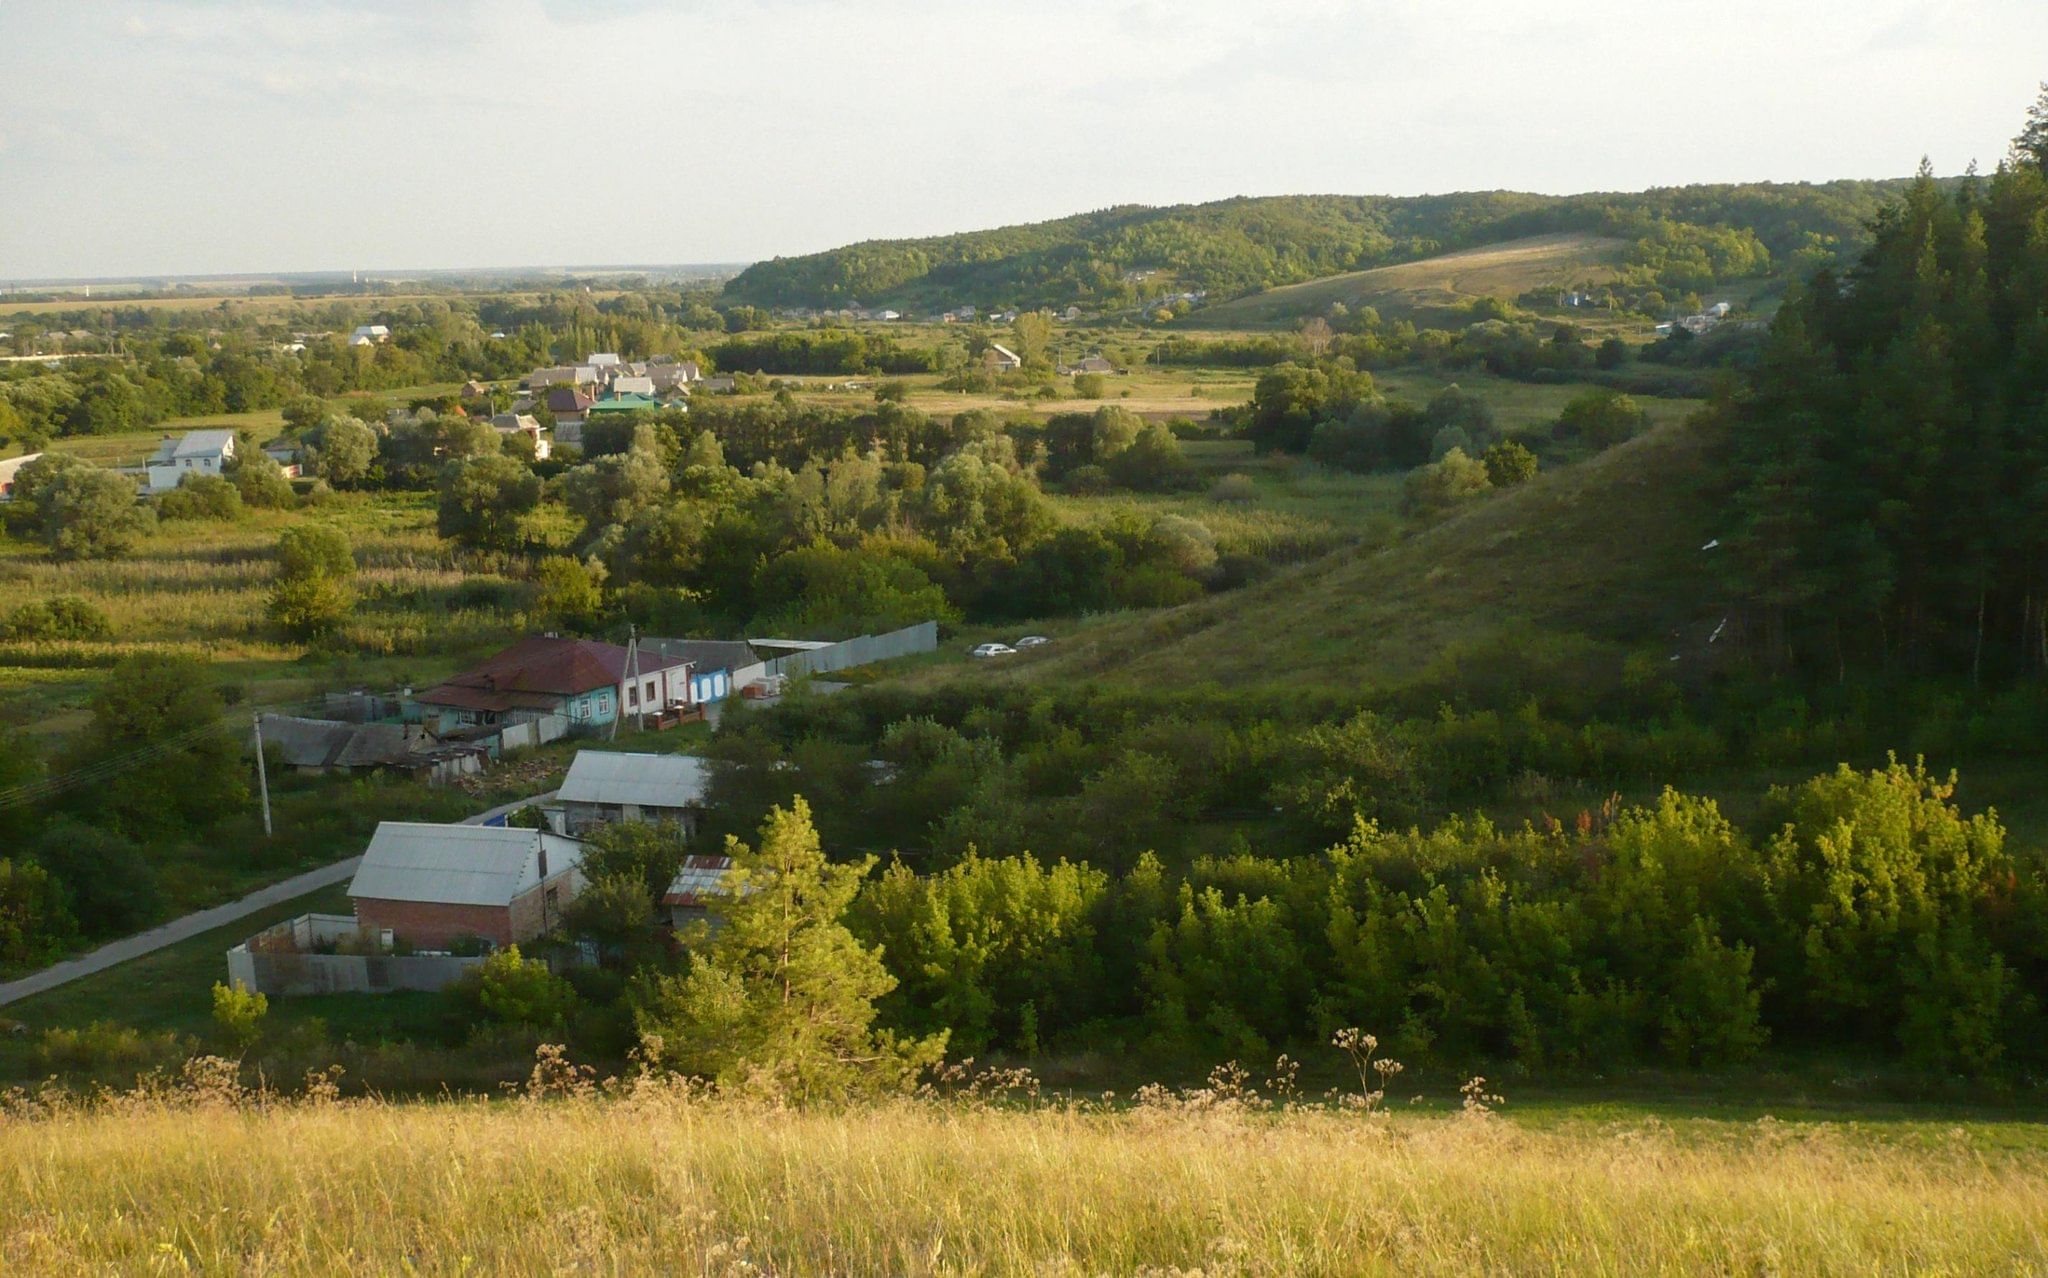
1001	358
697	881
613	404
606	359
723	384
333	745
196	452
431	886
633	386
605	786
521	424
1089	364
8	469
369	335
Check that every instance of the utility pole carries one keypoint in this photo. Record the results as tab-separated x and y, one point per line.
632	680
262	776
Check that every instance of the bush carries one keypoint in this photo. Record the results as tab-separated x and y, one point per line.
1601	417
63	617
1234	488
1509	463
238	1013
201	497
511	990
1434	489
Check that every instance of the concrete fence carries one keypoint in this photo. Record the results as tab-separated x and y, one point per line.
276	961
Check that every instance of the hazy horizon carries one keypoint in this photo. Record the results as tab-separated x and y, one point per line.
204	138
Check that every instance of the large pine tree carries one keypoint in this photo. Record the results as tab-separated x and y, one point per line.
1890	453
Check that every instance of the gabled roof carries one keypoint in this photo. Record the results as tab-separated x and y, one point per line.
567	399
1004	353
698	878
632	385
537	672
625	404
331	743
196	444
643	780
459	864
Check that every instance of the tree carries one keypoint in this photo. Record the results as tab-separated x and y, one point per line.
780	996
483	500
1032	331
193	772
260	481
2031	146
340	450
509	989
1153	462
34	925
824	590
238	1013
568	591
1508	463
61	617
1436	488
84	512
312	593
1316	336
1601	417
111	887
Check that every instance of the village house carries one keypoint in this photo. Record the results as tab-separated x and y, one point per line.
714	663
196	452
723	384
508	424
1001	358
8	469
632	385
430	887
1088	364
369	335
332	745
287	455
605	786
585	681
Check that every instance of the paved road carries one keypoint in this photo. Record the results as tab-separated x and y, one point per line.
191	925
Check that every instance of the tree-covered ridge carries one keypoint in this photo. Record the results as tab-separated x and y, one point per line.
1890	454
1237	246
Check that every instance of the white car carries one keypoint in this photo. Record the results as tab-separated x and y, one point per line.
1032	641
993	650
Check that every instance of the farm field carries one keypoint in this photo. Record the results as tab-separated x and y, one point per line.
659	1182
1505	270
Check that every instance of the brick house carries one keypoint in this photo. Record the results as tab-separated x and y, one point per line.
432	885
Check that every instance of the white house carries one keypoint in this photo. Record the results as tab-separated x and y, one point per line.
196	452
523	424
1002	358
369	335
603	359
8	469
633	386
604	786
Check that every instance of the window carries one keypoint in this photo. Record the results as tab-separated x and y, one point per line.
652	694
633	695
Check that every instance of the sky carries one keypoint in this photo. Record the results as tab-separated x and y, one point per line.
211	136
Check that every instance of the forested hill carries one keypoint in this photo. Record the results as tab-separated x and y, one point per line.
1124	255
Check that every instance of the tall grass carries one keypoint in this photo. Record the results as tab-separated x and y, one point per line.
667	1185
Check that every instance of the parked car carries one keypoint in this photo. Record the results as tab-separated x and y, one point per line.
1032	641
993	650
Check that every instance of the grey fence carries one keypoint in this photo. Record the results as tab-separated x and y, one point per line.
846	654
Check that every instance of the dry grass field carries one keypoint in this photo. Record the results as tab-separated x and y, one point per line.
1504	270
656	1183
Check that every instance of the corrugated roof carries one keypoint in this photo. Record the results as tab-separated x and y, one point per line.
458	864
332	743
696	879
644	780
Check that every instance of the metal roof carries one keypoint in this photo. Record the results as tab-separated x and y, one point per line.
332	743
704	655
458	864
643	780
697	878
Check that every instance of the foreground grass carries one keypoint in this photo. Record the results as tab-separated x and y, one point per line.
677	1187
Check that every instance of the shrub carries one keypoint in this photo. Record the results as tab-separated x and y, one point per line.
1601	417
1434	489
238	1013
201	497
1234	488
1508	463
63	617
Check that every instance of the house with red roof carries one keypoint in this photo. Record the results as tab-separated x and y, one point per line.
590	683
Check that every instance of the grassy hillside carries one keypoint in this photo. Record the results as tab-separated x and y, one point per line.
669	1185
1494	270
1120	256
1561	578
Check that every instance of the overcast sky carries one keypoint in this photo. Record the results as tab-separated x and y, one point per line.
152	138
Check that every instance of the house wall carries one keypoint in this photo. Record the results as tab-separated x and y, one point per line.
433	925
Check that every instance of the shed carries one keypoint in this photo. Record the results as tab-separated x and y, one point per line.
604	786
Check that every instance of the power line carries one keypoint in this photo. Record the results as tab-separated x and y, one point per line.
106	769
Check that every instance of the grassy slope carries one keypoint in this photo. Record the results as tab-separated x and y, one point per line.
1505	270
663	1184
1570	571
